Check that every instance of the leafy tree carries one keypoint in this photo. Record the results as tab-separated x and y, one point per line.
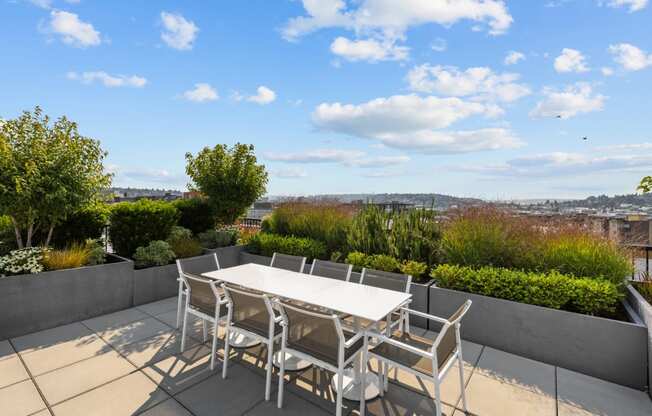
645	186
47	172
230	178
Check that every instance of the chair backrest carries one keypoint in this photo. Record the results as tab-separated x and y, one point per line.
316	334
198	265
386	280
202	293
250	310
339	271
287	262
447	342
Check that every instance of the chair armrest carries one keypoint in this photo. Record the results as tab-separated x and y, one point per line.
399	344
354	339
425	315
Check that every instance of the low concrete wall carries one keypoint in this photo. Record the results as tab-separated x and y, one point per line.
611	350
227	256
155	283
644	310
40	301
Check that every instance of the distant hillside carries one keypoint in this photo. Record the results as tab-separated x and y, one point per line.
604	201
424	200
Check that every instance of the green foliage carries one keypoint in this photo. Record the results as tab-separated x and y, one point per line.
7	237
183	243
231	178
195	214
416	269
224	237
87	223
266	244
22	261
156	253
382	262
415	235
47	172
96	253
326	222
178	233
71	257
645	186
136	224
552	290
357	259
368	231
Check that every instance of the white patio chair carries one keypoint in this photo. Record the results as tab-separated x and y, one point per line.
390	281
287	262
189	265
332	270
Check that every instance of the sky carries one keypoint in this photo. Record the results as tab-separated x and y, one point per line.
479	98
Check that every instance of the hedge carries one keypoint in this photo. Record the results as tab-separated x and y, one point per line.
195	214
136	224
267	244
552	290
87	223
386	263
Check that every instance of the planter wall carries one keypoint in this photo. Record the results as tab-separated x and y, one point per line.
644	310
155	283
227	256
611	350
34	302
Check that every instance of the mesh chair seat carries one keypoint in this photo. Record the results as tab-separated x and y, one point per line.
258	324
202	297
386	280
315	348
288	262
409	359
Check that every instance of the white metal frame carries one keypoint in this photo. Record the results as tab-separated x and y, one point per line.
182	288
402	324
215	320
269	340
348	273
437	375
303	261
343	343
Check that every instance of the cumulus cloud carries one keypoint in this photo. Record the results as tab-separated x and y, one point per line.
290	173
315	156
263	96
606	71
202	92
370	50
634	5
108	80
513	57
571	101
439	45
571	60
178	33
480	82
72	30
630	57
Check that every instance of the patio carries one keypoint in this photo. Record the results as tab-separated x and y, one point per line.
129	362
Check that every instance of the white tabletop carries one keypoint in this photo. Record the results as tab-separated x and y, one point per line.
362	301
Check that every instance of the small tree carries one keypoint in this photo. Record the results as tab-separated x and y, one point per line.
46	173
645	186
230	178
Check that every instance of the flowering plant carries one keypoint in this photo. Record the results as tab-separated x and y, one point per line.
23	261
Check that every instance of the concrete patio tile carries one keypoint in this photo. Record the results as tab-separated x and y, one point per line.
179	372
151	350
44	412
82	376
50	337
169	407
194	325
582	395
11	368
132	332
293	405
398	401
530	375
241	391
115	319
20	399
314	385
123	397
159	307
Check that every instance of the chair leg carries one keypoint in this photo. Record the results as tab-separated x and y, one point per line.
340	388
214	347
204	329
270	365
183	331
281	375
437	396
179	304
227	346
461	369
363	376
381	378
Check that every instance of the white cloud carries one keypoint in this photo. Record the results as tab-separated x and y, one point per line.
627	147
178	32
573	100
392	18
370	50
290	173
630	57
513	57
316	156
606	71
44	4
379	161
634	5
108	80
264	96
480	82
439	45
571	60
72	30
201	93
412	122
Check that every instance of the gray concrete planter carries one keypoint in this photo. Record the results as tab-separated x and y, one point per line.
644	310
227	256
611	350
254	258
155	283
40	301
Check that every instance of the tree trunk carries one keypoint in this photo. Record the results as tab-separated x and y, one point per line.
47	241
19	238
30	231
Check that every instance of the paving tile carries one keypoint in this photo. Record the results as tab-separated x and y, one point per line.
115	319
151	350
159	307
82	376
398	401
293	405
194	325
20	399
123	397
242	390
530	375
169	407
50	337
179	372
579	394
44	412
11	368
132	332
314	385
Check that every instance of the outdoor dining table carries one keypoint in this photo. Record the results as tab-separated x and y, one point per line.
360	301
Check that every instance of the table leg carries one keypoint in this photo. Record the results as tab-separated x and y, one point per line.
292	363
237	340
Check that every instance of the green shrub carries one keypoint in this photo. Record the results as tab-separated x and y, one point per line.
224	237
156	253
87	223
357	259
96	253
415	235
7	236
195	214
267	244
183	243
552	290
368	231
178	233
136	224
382	262
416	269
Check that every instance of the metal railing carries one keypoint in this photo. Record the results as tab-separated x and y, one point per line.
251	222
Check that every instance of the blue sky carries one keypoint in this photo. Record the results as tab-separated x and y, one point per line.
482	98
